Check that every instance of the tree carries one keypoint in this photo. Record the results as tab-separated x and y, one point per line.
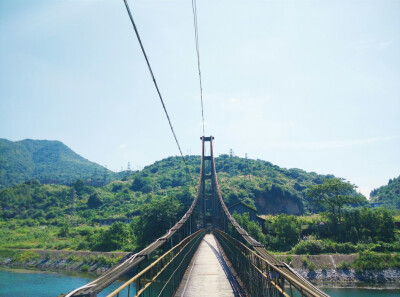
156	218
287	229
94	201
332	195
253	228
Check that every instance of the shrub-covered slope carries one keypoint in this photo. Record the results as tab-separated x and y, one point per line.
389	195
46	161
268	187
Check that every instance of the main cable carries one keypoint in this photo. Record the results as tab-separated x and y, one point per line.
196	36
158	90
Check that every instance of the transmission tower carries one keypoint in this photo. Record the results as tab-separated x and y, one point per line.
247	168
105	175
231	162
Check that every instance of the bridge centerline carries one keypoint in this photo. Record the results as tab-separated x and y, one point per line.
208	274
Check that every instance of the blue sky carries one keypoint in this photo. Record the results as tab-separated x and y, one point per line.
303	84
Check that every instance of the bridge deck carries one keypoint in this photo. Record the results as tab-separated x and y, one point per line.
208	274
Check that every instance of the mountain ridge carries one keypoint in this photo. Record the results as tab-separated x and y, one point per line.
49	161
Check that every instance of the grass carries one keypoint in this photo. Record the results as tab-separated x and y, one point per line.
344	265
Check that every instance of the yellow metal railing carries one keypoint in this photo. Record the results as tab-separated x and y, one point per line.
163	276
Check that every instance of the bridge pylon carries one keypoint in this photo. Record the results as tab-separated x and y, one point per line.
208	190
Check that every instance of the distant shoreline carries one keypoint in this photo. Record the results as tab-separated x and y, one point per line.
325	273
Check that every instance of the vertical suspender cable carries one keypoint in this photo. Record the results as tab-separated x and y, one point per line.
158	91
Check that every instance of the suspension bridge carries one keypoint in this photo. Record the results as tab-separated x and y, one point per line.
206	253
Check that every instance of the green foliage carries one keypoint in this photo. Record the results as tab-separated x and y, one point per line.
156	218
370	260
85	268
389	194
365	224
344	265
253	228
113	238
311	266
45	161
94	201
332	195
26	256
309	246
286	230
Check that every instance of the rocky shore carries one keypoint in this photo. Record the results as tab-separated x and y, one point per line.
352	276
80	261
316	268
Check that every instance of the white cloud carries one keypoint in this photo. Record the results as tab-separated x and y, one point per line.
122	146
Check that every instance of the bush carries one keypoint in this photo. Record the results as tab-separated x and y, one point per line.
82	245
309	246
311	266
26	256
344	265
369	260
85	268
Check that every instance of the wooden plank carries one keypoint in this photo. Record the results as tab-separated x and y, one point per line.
205	275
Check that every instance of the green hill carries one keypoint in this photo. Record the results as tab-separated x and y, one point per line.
257	183
389	195
46	161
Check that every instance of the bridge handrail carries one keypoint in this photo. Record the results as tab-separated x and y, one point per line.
300	286
133	259
180	246
258	248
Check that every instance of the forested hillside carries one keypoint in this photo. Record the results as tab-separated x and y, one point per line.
389	195
47	161
153	198
269	188
258	183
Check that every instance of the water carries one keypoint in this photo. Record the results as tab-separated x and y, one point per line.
361	292
22	283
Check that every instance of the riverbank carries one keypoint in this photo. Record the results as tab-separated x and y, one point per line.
79	261
329	269
337	268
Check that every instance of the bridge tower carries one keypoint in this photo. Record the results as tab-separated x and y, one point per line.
208	187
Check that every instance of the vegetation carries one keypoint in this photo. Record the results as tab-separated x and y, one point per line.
369	260
332	195
389	195
53	216
361	229
47	161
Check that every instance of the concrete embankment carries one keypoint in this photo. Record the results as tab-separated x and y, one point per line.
316	268
336	268
94	262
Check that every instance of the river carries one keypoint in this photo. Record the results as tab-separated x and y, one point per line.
33	283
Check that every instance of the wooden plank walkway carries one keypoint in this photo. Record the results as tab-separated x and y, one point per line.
208	274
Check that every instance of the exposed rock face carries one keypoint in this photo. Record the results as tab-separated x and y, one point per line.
278	204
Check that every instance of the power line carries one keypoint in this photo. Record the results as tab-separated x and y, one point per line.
158	91
196	35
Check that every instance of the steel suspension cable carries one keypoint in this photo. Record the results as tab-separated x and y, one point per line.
158	90
196	35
